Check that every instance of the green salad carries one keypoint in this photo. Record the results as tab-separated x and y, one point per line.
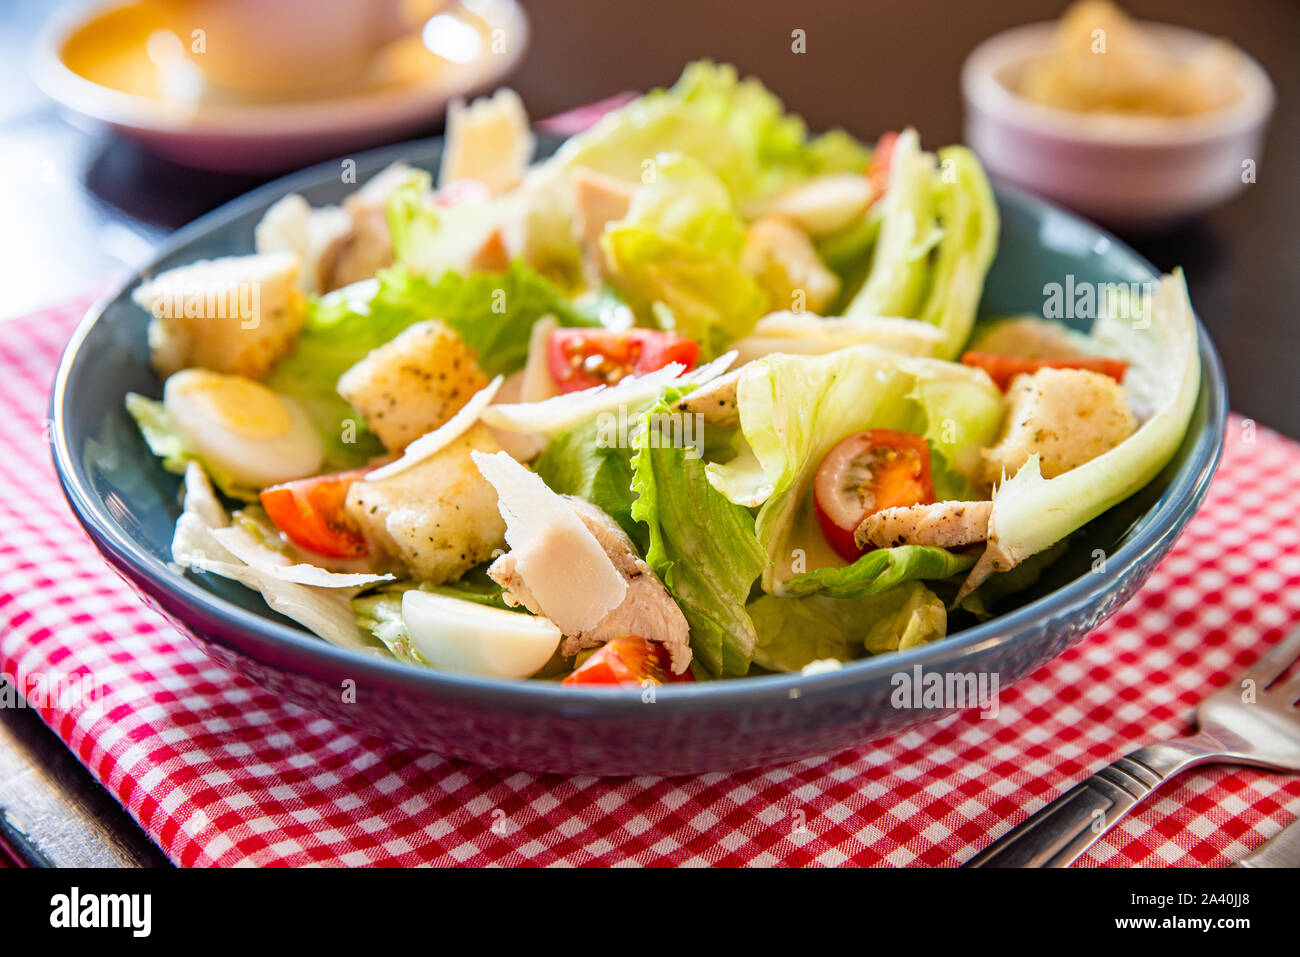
701	395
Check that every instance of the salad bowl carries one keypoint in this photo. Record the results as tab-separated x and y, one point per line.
128	505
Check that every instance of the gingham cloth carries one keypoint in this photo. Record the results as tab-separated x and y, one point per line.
218	771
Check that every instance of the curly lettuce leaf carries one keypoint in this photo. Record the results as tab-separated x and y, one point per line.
380	614
578	462
735	127
880	570
493	312
969	216
702	547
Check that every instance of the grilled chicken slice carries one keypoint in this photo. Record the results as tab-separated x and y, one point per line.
946	524
715	400
646	610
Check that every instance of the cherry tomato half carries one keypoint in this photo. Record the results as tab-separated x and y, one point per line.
629	659
310	513
585	358
867	472
881	159
1003	368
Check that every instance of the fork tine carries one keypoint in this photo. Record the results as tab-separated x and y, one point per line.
1276	660
1291	690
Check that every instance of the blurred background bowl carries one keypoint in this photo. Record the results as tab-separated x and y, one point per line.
102	63
1125	171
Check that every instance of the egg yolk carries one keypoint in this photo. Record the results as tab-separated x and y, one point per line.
239	404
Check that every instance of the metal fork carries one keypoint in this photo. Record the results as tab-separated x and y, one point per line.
1252	721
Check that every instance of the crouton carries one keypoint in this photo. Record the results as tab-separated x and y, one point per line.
1030	337
366	246
1066	416
945	524
488	141
238	315
436	519
292	225
413	384
782	258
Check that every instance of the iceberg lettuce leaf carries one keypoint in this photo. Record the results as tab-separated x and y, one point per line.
794	409
679	248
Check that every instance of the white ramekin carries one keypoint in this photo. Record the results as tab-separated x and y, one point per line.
1125	171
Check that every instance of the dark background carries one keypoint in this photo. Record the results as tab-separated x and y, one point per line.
79	206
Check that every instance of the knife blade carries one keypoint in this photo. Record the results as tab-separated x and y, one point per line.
1282	850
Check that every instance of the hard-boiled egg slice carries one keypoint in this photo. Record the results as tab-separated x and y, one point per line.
452	634
241	427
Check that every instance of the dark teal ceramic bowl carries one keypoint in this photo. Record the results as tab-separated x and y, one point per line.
128	505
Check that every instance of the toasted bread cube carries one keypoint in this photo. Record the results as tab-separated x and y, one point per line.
367	247
414	383
310	233
784	261
238	315
1066	416
437	519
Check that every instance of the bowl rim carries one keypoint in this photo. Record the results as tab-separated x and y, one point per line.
983	91
273	120
261	637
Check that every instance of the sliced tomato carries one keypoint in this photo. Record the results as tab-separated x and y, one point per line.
867	472
881	159
310	513
1003	368
629	659
585	358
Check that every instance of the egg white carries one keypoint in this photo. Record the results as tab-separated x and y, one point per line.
452	634
242	428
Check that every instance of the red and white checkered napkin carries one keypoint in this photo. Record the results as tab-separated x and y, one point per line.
218	771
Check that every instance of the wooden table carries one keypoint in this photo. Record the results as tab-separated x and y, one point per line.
81	206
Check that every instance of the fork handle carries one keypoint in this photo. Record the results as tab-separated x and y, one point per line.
1059	833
